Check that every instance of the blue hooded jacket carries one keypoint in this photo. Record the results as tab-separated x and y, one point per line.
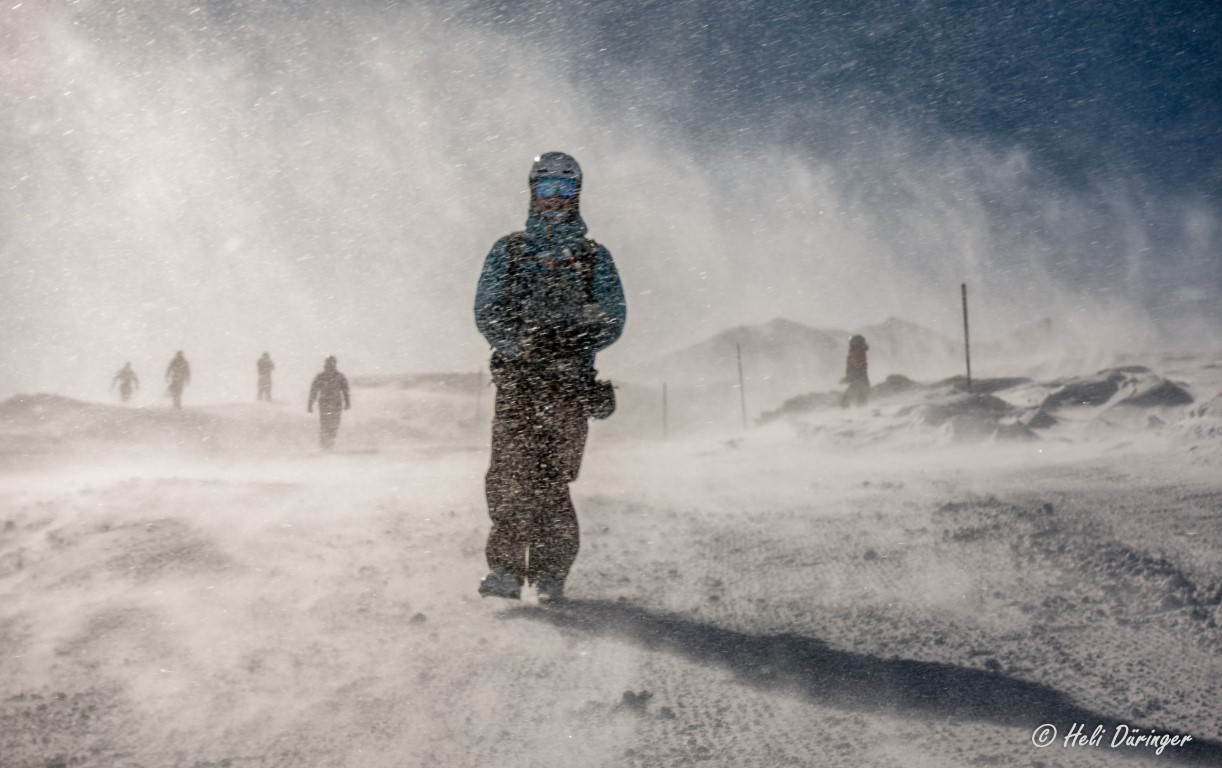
546	316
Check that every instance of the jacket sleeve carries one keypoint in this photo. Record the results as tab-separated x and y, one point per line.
611	310
314	387
492	311
343	385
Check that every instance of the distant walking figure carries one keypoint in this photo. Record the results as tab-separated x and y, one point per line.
856	373
265	366
126	379
330	389
178	375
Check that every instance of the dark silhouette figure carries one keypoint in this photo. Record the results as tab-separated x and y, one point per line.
548	299
127	380
178	376
265	367
856	374
330	390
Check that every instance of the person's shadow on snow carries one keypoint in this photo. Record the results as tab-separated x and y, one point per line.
809	667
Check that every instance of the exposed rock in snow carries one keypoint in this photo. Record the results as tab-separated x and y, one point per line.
1132	385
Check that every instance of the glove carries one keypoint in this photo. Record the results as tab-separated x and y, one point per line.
598	398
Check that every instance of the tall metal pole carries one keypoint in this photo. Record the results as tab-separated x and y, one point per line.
742	389
967	342
664	414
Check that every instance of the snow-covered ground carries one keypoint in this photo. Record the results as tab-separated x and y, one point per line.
921	582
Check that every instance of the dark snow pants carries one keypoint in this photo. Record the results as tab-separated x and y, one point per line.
328	420
176	393
538	437
858	392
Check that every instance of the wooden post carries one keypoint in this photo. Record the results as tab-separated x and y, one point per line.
664	413
742	389
967	342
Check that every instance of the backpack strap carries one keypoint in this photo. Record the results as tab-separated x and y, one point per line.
586	255
516	239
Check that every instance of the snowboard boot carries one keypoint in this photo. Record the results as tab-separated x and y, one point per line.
551	590
500	583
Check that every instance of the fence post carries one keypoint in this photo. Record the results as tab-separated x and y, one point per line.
665	425
967	343
742	389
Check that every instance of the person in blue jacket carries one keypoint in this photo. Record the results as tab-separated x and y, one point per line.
548	300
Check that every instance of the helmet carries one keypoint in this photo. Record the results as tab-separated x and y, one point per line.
555	164
857	341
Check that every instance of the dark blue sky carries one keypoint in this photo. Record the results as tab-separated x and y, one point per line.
1093	90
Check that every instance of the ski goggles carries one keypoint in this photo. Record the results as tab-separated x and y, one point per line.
553	186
